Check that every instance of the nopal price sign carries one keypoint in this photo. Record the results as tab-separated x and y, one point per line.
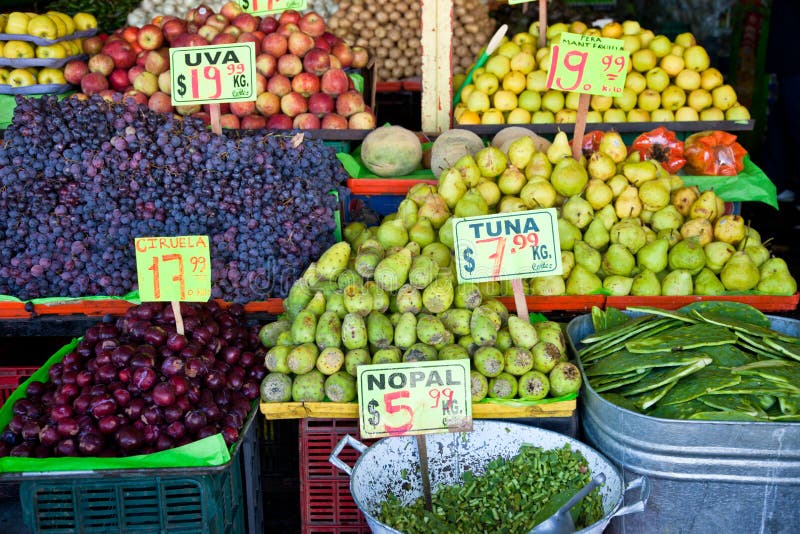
173	268
413	398
588	64
213	74
505	246
264	7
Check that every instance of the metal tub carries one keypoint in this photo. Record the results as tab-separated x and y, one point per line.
708	476
391	466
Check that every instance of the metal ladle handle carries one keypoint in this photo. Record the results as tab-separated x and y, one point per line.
597	480
334	457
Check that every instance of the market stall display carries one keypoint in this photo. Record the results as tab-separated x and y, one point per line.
667	81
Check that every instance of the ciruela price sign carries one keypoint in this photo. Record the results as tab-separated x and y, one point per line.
588	64
264	7
505	246
173	268
403	399
213	74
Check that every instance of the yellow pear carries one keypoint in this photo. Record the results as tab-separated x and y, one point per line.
628	203
559	149
705	206
683	199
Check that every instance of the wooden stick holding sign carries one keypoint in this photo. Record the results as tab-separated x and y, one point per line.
588	65
216	125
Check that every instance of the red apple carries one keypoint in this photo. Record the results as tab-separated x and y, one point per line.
203	116
146	82
333	121
94	82
349	103
199	15
92	45
137	96
260	35
312	24
156	61
334	82
293	104
316	61
249	37
290	15
130	33
134	71
274	44
261	83
101	63
150	37
306	84
245	22
253	122
233	30
165	82
231	10
343	53
319	42
287	29
118	80
360	57
330	38
320	104
363	120
173	28
218	22
141	57
289	65
188	40
240	109
207	32
299	43
335	63
223	38
192	27
306	121
268	24
160	20
268	104
109	95
75	70
279	85
279	121
123	54
229	121
266	64
113	37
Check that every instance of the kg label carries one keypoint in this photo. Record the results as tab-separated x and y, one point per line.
506	246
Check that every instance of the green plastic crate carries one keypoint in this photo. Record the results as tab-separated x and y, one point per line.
190	500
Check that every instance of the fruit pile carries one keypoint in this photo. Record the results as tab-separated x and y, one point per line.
666	81
39	40
80	179
300	81
391	29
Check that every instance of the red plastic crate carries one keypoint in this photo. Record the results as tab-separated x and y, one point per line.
11	378
325	501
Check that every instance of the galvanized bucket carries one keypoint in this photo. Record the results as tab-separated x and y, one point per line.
391	466
708	477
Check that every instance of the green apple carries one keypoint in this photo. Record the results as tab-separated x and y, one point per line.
21	78
649	100
493	116
638	115
530	100
518	116
543	117
508	49
723	97
688	80
504	100
644	60
487	83
571	100
523	62
537	81
631	27
660	45
699	99
553	101
601	103
478	101
673	97
710	78
712	114
636	81
657	79
696	58
737	113
615	115
662	115
686	114
671	64
593	117
498	65
566	116
626	101
515	82
685	39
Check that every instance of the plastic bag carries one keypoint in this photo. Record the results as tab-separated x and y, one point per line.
661	145
714	153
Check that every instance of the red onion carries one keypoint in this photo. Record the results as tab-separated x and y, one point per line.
134	409
106	373
250	390
176	342
122	355
103	406
155	336
172	366
108	424
80	405
91	443
66	447
248	359
194	420
164	442
175	430
35	389
129	439
49	435
152	415
173	413
179	384
122	396
23	450
60	411
144	378
67	426
30	430
205	432
230	435
140	360
124	375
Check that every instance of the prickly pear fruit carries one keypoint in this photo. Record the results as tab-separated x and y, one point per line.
405	333
354	358
379	330
479	386
357	299
275	360
354	331
340	387
420	352
302	358
330	360
392	271
431	330
268	335
309	387
387	355
304	327
333	261
503	386
522	332
456	320
276	387
329	330
489	361
438	296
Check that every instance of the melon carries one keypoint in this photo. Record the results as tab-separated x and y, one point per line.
451	146
391	151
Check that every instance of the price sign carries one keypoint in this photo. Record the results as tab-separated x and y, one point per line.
213	74
403	399
505	246
173	268
588	64
263	7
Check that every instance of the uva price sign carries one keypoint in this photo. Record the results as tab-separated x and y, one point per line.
263	7
403	399
588	64
213	74
505	246
173	268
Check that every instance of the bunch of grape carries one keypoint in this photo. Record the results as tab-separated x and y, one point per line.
80	179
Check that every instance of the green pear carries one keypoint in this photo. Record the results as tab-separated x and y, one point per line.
689	255
489	191
438	252
707	283
352	230
619	286
435	209
758	253
677	283
445	234
392	272
578	211
419	192
653	256
699	228
646	284
618	183
730	228
629	232
511	181
639	172
520	151
717	255
672	236
548	286
539	166
778	283
582	281
567	263
587	257
423	271
568	177
740	273
618	260
601	166
468	169
471	204
538	193
667	218
423	233
407	213
628	203
596	235
705	207
752	237
451	187
772	266
568	234
491	161
365	236
392	234
612	145
598	194
607	215
510	204
654	195
559	149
